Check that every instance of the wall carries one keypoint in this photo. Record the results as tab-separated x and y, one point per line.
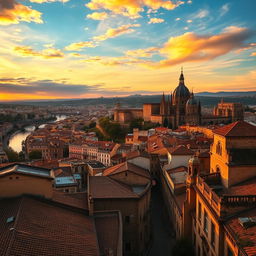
16	184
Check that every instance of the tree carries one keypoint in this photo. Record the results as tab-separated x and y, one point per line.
35	154
12	155
183	247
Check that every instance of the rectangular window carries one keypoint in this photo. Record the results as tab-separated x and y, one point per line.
127	219
230	253
213	232
127	247
199	211
206	221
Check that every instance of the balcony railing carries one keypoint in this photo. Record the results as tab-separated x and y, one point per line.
236	201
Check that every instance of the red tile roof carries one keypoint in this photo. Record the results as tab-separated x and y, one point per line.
41	227
247	187
105	187
126	167
245	237
237	129
180	150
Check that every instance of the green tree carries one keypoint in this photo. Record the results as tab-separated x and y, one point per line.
183	247
35	154
12	155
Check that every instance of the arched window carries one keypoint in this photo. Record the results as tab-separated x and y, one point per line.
219	148
217	169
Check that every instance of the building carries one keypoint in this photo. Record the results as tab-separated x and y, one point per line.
180	108
219	210
126	187
36	220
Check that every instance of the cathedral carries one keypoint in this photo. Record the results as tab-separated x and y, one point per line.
179	108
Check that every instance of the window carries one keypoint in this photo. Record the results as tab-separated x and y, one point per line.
127	219
199	211
213	231
127	247
206	222
219	149
229	252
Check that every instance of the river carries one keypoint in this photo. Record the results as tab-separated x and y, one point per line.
16	139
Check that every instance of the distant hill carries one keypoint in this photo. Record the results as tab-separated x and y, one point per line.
228	94
207	99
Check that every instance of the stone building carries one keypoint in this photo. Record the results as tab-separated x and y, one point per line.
180	108
219	210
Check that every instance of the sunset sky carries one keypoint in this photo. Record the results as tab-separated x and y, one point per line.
51	49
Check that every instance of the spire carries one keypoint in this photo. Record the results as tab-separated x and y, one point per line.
163	98
181	76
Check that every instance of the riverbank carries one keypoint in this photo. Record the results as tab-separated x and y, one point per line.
18	129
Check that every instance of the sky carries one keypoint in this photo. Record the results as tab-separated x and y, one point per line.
54	49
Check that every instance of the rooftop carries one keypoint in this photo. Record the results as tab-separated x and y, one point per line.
46	229
26	169
237	129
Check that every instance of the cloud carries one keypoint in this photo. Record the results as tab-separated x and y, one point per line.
48	87
192	47
131	8
155	20
224	9
189	21
12	12
79	46
59	89
201	14
253	54
97	16
48	53
114	32
47	1
142	53
177	19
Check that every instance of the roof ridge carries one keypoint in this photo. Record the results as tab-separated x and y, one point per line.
121	185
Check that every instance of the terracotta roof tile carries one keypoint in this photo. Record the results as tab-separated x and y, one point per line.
43	228
126	166
246	237
105	187
180	150
237	129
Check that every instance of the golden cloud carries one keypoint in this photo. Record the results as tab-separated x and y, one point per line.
78	46
114	32
155	20
48	53
97	16
253	54
192	47
12	12
142	53
131	8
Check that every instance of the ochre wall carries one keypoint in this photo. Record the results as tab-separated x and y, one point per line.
15	184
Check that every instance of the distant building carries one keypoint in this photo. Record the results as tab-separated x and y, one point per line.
179	108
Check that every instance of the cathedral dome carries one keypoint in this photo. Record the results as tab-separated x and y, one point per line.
181	92
192	101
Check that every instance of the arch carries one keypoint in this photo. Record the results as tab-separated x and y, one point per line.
217	169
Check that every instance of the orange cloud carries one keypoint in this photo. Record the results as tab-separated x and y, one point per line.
253	54
143	53
78	46
131	8
12	12
114	32
97	16
192	47
155	20
49	53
